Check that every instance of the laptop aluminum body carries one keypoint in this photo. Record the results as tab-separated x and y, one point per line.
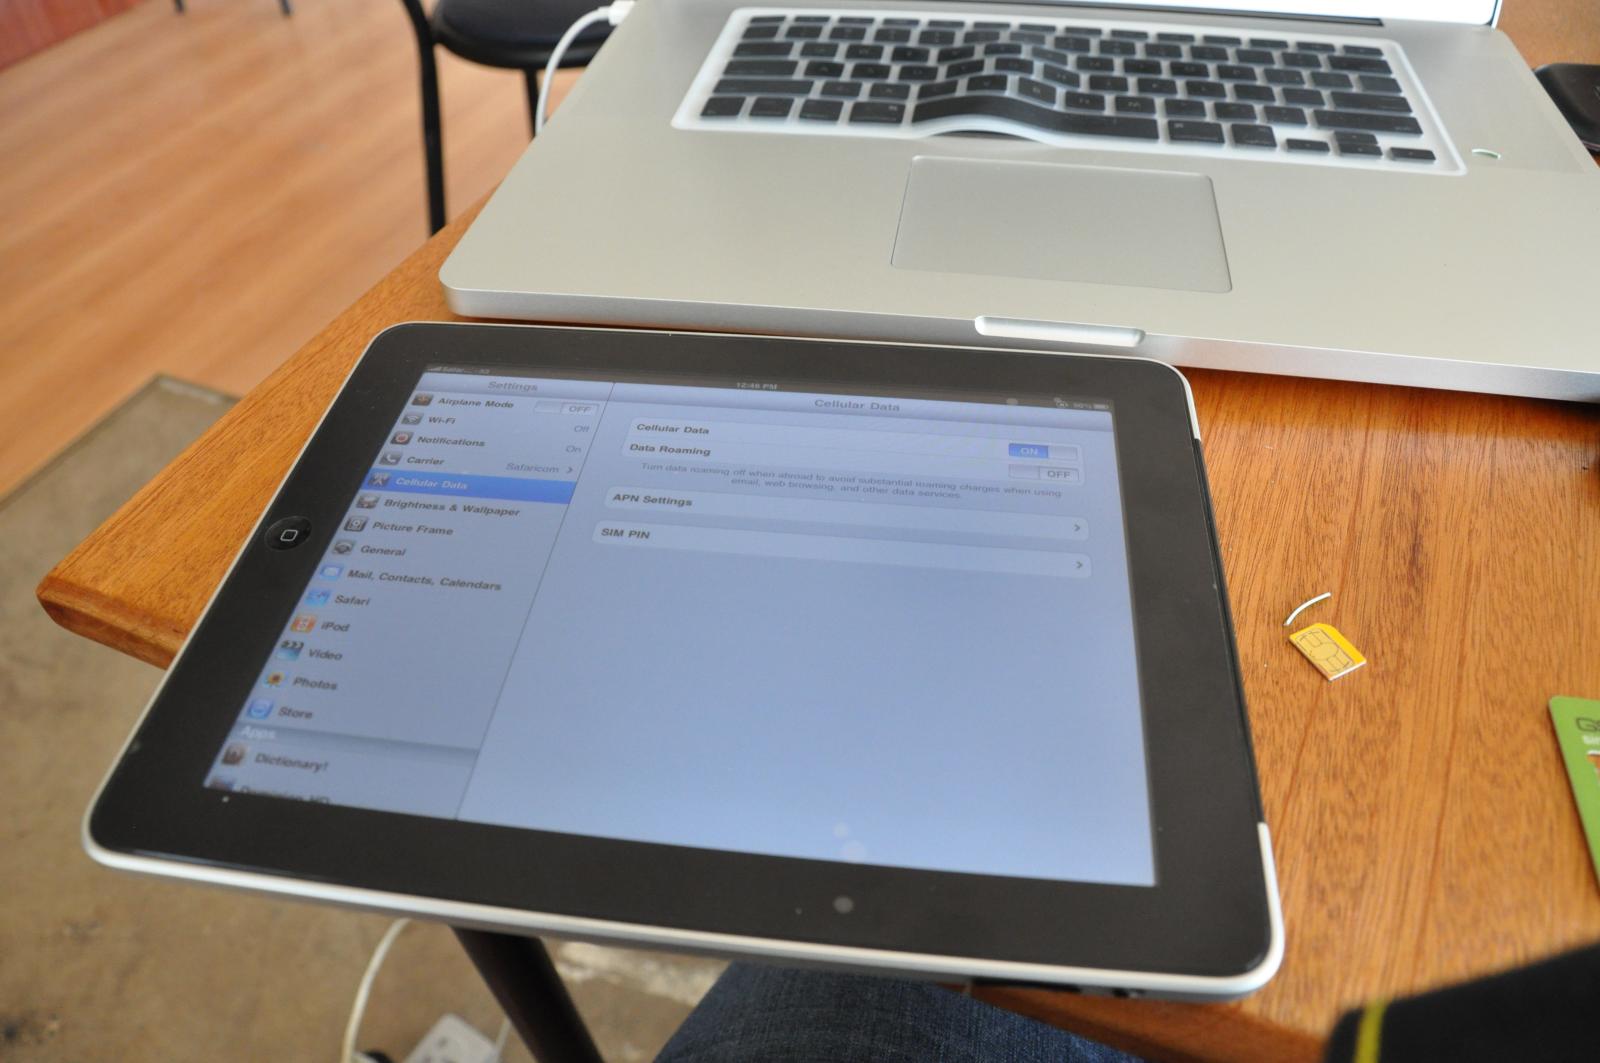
1470	272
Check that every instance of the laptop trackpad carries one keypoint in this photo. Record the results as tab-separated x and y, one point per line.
1144	228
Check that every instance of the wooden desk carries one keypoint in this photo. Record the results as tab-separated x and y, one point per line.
1422	819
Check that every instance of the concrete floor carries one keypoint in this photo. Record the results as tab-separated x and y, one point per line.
96	964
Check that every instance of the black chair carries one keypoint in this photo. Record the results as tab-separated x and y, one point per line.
512	34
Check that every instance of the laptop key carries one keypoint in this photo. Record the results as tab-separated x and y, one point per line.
760	33
1211	90
1279	76
1357	147
1284	115
1037	90
1082	101
889	90
1107	83
1253	93
761	86
963	68
892	36
1141	66
1355	137
1021	37
1010	64
821	110
1194	132
1358	63
722	107
936	37
761	49
935	89
903	22
907	54
1375	123
877	113
1361	49
1230	72
1411	154
1255	56
1164	51
1324	80
1189	70
1303	60
759	67
771	107
1002	49
1269	43
864	51
1095	64
1050	55
1072	44
1114	47
818	20
1252	135
871	71
1176	38
1060	75
847	33
1212	39
803	33
842	89
1157	86
1317	147
1378	83
950	55
1209	53
1130	35
1135	105
919	73
988	83
1303	97
1235	112
1032	114
1366	101
1184	109
824	70
1314	46
980	37
819	50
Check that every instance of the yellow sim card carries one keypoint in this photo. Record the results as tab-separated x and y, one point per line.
1330	651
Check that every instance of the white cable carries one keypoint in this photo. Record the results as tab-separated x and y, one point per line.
347	1050
614	12
500	1041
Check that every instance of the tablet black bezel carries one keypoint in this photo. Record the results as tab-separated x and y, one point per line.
1207	915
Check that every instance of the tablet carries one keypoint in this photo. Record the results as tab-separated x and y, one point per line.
895	658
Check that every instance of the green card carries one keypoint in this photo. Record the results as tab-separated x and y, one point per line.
1578	730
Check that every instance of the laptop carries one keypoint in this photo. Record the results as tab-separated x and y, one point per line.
1372	190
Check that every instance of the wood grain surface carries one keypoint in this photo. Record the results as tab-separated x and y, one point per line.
1423	824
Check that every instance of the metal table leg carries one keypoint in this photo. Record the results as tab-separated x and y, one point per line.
525	982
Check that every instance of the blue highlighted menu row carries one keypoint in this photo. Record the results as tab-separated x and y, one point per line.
510	488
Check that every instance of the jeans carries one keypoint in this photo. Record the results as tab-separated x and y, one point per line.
759	1013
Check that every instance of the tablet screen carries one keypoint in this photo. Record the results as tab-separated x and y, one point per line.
886	629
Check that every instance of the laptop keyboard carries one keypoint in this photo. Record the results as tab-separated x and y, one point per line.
1141	87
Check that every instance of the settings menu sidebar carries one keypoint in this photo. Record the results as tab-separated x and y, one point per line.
382	684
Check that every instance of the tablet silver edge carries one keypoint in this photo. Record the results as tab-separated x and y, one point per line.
1168	986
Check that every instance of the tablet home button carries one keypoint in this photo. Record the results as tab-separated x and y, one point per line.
288	533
